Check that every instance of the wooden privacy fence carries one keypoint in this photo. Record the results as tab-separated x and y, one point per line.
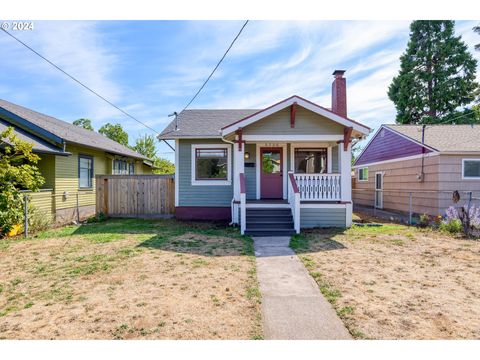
135	195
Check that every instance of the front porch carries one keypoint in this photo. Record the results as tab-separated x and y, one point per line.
309	179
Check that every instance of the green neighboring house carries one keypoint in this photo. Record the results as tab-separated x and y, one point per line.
70	158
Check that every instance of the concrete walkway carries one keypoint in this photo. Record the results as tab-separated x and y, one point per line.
292	306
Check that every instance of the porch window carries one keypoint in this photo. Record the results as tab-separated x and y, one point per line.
471	168
85	172
311	161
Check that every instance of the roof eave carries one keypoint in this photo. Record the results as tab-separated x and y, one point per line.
362	129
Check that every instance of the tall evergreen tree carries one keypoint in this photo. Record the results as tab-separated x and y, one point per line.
477	30
437	74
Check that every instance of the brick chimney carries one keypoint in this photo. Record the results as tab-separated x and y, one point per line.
339	93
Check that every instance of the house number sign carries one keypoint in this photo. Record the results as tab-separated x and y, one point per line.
271	145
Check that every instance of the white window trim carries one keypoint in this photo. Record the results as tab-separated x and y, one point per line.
211	182
463	170
358	174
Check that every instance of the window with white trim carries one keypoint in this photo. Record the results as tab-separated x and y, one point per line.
363	174
471	168
210	164
123	167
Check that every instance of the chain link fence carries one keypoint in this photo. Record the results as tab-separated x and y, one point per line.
408	205
47	207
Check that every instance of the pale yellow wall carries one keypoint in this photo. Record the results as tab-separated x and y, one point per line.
46	165
66	177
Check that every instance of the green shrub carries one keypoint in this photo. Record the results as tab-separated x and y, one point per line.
424	220
453	226
18	172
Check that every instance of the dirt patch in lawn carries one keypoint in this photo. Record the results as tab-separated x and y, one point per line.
397	282
128	279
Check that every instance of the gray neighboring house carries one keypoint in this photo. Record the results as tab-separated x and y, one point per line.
272	170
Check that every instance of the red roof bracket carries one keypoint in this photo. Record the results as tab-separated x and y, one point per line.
347	133
293	111
240	141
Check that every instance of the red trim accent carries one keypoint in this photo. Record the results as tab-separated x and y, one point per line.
291	97
294	183
240	141
347	133
293	111
202	213
242	184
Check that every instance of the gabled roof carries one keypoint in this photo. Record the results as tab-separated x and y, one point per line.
363	129
204	123
39	146
56	130
443	138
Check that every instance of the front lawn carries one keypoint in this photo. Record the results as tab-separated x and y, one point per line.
130	279
397	282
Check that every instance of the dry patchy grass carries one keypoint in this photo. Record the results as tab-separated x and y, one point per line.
397	282
130	279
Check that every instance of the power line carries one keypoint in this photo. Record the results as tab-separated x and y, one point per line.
82	84
218	64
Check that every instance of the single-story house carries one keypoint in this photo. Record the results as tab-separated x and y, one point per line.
70	157
429	162
271	170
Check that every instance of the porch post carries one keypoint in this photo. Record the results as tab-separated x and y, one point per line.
238	167
345	162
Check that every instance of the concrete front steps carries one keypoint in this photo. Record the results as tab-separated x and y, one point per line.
269	222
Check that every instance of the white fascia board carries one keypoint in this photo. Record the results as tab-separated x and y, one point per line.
292	138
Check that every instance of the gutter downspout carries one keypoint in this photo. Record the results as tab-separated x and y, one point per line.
233	199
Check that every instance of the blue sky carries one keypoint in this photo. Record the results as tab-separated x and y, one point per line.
152	68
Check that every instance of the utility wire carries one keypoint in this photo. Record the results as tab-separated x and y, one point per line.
82	84
218	64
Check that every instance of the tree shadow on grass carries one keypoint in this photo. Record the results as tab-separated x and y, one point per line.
208	238
317	240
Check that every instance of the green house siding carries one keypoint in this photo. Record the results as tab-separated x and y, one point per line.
46	165
322	217
199	195
306	123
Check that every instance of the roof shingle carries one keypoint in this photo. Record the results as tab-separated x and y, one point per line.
203	122
69	132
444	137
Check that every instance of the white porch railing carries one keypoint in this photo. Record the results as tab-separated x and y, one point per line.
319	187
294	201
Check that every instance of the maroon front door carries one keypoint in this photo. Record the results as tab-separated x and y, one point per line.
271	176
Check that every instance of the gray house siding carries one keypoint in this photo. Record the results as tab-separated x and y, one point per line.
335	167
306	123
199	195
250	172
324	217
